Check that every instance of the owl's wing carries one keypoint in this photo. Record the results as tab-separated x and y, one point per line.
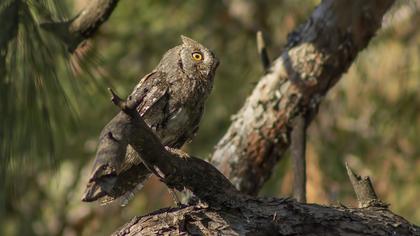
112	179
150	90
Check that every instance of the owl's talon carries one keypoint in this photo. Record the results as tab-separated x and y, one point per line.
174	197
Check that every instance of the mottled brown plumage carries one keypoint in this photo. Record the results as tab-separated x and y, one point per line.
172	101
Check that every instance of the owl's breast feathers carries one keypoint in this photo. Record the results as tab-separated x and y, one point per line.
172	105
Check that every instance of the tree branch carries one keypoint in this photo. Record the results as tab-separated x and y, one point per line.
268	216
84	25
175	168
317	54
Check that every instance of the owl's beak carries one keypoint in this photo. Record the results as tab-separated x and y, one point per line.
216	63
214	66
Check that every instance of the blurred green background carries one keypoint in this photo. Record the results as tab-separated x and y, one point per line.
53	106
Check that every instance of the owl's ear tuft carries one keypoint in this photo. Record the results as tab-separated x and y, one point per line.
188	41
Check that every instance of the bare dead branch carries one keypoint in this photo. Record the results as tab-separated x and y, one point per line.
363	188
84	25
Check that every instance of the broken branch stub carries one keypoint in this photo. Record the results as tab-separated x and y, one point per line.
263	53
364	190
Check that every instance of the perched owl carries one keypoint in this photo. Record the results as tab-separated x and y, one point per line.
172	102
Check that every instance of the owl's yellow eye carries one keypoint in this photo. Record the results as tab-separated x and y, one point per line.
197	56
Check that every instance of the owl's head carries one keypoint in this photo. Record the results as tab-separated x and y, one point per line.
196	59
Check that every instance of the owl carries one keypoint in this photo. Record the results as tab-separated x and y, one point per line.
172	102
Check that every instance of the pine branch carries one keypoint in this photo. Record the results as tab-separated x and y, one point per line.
73	32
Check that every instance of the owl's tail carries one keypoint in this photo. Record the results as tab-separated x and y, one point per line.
120	187
98	189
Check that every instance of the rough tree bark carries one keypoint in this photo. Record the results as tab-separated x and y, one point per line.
316	56
270	217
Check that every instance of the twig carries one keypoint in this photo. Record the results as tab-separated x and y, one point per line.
262	51
298	152
119	102
363	188
122	104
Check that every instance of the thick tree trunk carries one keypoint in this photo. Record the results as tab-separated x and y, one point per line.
270	217
318	53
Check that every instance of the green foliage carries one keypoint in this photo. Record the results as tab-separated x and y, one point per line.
38	92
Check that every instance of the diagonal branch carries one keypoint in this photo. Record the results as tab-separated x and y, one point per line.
318	53
176	169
